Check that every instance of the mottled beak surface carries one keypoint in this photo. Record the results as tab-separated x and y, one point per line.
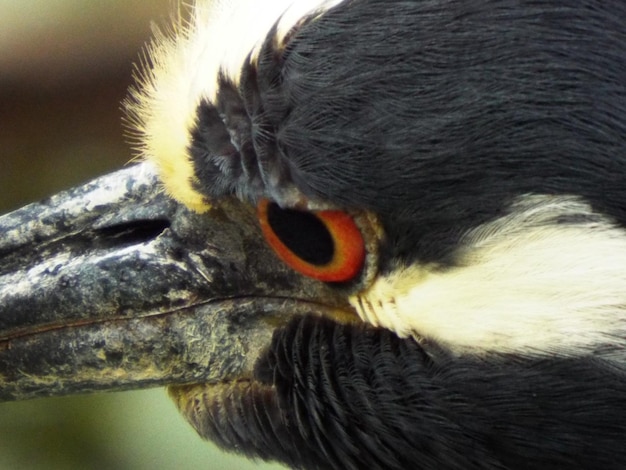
115	286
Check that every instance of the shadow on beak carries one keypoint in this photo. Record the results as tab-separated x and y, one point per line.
114	286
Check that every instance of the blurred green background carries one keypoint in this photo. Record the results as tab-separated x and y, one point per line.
65	66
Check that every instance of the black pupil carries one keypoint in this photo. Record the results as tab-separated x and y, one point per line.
303	233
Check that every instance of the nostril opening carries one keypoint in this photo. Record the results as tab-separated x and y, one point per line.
132	233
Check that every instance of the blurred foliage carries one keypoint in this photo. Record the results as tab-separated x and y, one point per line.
132	430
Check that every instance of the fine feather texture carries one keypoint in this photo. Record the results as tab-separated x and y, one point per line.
455	122
436	115
545	279
329	396
181	70
489	138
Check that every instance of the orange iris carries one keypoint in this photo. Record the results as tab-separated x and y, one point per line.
325	245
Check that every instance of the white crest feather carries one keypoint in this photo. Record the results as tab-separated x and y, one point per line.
548	278
183	69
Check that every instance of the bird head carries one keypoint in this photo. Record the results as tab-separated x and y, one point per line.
365	233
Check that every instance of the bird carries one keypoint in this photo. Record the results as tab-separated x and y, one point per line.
365	234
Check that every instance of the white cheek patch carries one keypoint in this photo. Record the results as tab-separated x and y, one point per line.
182	69
550	278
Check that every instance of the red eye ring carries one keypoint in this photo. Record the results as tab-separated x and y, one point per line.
342	263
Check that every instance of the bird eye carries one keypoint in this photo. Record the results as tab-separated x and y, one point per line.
325	245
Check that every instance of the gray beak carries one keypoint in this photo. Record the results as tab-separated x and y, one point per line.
114	286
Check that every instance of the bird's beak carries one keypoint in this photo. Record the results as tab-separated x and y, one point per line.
113	285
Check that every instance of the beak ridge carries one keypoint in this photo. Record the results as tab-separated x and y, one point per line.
113	286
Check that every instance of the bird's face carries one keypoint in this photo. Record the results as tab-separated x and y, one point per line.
483	197
398	237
